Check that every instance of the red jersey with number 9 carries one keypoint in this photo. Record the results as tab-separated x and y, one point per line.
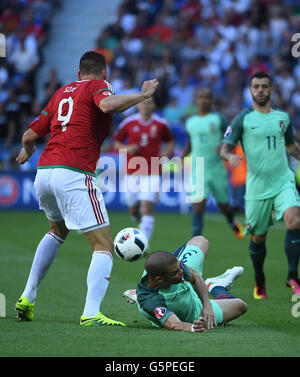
148	136
76	124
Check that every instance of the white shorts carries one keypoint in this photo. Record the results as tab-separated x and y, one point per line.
71	196
140	188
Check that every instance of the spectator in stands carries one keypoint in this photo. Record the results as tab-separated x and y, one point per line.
25	25
234	37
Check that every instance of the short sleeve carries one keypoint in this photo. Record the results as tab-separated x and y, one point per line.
187	125
101	89
223	122
288	135
156	307
41	124
234	131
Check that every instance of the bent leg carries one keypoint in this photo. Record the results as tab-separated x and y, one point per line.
200	242
231	308
194	253
100	239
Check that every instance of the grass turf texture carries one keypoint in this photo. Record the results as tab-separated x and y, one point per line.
267	329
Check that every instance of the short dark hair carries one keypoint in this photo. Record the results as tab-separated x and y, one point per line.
158	262
260	75
92	63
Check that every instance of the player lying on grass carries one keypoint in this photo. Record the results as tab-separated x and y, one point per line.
172	293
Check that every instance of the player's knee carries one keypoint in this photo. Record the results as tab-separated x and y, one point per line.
59	229
292	218
104	244
258	238
200	242
199	208
293	223
243	307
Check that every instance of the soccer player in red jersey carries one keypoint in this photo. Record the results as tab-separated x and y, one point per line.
142	136
78	118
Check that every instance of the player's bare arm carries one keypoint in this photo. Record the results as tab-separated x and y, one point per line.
120	103
227	155
174	323
28	140
202	292
294	150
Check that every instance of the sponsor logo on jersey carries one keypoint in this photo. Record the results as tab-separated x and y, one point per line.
9	190
228	131
107	93
160	312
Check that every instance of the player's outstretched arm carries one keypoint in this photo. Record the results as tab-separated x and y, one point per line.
174	323
28	140
120	103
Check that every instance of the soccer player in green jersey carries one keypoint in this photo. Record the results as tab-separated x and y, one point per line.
205	131
172	293
266	134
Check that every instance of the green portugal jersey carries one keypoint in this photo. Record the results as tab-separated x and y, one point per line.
206	133
263	138
157	305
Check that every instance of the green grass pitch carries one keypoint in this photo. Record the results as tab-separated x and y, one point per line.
269	328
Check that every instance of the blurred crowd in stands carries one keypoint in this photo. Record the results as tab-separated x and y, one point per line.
25	24
184	43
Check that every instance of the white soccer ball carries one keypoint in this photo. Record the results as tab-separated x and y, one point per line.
130	244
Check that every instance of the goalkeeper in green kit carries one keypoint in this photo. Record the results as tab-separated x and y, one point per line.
266	134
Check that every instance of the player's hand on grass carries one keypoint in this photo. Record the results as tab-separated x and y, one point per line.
234	160
200	325
149	87
208	315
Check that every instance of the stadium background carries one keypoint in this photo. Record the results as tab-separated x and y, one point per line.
184	43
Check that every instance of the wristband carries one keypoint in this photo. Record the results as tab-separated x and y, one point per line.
192	328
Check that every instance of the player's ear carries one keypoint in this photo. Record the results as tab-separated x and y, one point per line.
78	74
158	279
